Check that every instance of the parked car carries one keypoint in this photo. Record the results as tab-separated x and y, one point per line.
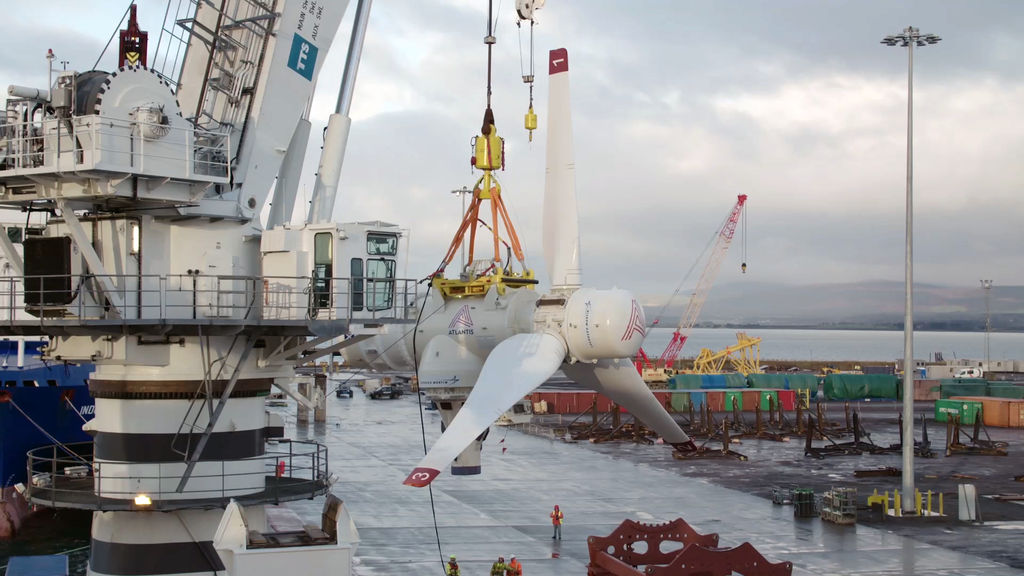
343	391
386	393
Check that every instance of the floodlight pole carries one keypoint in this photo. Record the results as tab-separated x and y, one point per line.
987	286
908	39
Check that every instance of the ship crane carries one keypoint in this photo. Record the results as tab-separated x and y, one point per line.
660	372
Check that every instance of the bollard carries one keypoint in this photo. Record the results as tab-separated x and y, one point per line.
929	502
941	513
304	386
897	504
917	501
319	398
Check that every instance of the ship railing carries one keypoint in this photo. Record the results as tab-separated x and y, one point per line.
68	476
96	142
167	298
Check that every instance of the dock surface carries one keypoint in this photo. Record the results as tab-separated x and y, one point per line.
374	443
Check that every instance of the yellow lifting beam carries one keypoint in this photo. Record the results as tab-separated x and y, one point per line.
744	356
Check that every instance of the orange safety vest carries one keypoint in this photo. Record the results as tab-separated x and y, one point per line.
515	568
556	517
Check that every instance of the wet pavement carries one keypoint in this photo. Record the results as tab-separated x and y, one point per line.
374	443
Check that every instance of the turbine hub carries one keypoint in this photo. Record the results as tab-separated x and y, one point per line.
595	324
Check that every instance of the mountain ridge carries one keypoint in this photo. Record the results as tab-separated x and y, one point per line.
867	304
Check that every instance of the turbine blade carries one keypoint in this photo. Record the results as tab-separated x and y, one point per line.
515	367
618	380
561	219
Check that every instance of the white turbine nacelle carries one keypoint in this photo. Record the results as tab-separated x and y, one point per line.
602	324
593	324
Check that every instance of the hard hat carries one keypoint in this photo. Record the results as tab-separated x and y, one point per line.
452	556
511	556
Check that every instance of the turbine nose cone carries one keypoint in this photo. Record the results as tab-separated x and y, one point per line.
604	324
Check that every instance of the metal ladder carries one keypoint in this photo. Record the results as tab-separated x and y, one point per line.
204	398
234	35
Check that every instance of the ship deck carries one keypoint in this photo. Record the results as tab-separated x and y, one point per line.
374	444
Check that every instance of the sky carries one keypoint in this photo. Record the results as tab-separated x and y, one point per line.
678	106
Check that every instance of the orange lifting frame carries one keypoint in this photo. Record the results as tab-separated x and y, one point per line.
486	188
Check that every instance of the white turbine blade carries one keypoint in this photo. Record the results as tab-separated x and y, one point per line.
619	381
513	369
561	218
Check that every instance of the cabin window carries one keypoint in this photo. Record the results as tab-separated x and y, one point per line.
15	235
356	272
10	383
381	244
30	384
380	283
51	382
323	269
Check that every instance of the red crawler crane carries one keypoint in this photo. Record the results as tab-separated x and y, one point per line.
700	293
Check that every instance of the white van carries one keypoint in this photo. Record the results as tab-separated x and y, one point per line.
970	373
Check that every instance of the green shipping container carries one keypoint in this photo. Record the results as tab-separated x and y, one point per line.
765	395
685	382
776	381
801	382
680	401
735	380
1003	390
949	387
860	386
733	395
968	410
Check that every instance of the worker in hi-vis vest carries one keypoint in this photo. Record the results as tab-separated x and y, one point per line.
452	569
515	568
556	522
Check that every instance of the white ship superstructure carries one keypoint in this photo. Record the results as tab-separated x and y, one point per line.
155	267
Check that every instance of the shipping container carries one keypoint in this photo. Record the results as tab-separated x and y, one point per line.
773	396
712	381
685	382
716	400
967	410
950	387
787	398
924	390
751	399
698	399
1004	390
680	402
733	400
998	412
1016	414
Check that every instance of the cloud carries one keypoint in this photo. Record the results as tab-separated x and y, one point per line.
677	108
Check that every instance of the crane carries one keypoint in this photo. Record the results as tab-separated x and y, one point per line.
697	299
745	357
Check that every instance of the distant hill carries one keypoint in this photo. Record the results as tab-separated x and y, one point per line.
869	304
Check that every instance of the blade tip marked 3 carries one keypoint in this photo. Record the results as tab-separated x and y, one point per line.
421	477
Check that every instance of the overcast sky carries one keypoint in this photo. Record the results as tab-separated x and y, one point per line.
678	107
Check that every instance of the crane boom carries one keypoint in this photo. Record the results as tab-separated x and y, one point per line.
707	278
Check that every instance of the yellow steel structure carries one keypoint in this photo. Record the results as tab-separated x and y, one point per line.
472	281
745	357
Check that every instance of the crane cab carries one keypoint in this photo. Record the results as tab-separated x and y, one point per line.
332	271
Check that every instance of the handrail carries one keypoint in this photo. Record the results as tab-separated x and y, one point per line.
102	142
61	480
165	298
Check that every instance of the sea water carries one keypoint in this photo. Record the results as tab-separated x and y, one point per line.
835	345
